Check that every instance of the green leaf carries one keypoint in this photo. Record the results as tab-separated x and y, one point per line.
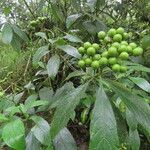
61	93
134	139
42	51
53	66
72	38
142	83
75	74
70	50
31	142
20	33
42	35
13	134
7	33
32	104
146	42
103	128
135	104
41	130
3	118
71	20
138	67
64	114
64	141
16	43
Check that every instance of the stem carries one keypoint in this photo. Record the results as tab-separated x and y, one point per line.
29	9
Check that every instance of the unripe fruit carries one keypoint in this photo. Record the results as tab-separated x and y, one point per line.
124	56
107	39
124	43
33	23
103	61
133	45
122	48
101	35
87	45
81	63
137	51
97	57
112	60
112	51
125	35
111	32
95	64
123	69
96	46
91	51
88	61
116	44
105	54
116	67
120	30
117	38
81	50
129	49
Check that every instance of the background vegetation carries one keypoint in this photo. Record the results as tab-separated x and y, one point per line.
46	101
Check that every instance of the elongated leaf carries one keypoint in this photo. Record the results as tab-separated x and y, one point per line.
61	93
7	33
15	42
41	130
64	141
3	118
139	68
42	51
31	142
32	104
20	33
71	20
103	128
53	66
73	38
41	34
13	134
75	74
134	139
65	111
70	50
142	83
135	104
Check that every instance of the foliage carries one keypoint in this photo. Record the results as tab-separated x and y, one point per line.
58	103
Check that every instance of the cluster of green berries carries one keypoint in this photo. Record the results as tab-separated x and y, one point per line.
38	22
112	51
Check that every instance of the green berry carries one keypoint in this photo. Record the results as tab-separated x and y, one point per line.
96	46
112	60
97	57
101	35
91	51
123	69
88	61
117	38
122	48
111	32
125	35
116	67
95	64
105	54
124	56
81	63
116	44
81	50
87	45
103	61
112	51
129	49
120	30
133	45
124	43
137	51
